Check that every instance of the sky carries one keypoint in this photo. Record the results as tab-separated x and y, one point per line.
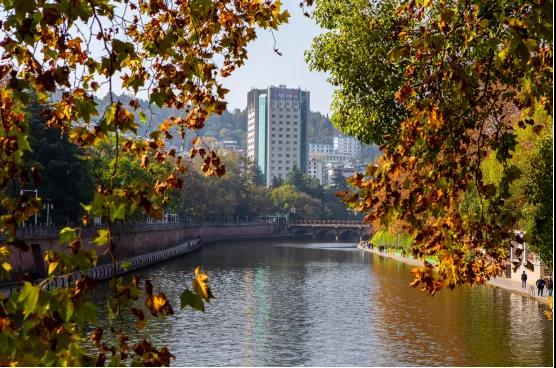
264	67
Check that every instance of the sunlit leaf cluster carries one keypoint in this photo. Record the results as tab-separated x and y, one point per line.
472	73
63	54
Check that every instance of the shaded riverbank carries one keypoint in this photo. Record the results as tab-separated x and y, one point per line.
503	283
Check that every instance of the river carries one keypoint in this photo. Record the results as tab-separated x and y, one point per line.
330	304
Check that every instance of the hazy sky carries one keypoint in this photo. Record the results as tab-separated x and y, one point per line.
264	67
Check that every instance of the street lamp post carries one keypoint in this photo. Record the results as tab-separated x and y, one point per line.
36	196
49	206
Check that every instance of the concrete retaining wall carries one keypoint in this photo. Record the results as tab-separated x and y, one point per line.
135	243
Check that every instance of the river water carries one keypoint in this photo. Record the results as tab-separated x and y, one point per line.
330	304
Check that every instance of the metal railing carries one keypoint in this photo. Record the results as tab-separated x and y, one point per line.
108	270
328	222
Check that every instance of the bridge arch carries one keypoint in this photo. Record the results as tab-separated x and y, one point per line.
325	234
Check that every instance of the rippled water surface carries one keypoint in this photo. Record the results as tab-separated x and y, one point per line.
280	303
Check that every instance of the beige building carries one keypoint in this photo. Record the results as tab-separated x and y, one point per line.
277	130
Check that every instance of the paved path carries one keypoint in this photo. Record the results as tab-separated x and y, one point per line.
512	285
515	286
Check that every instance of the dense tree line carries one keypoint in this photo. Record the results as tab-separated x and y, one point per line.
238	196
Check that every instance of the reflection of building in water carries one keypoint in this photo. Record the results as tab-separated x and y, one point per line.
248	312
260	317
276	313
525	312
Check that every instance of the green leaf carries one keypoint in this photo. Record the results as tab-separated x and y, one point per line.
67	235
142	117
29	296
192	299
102	238
69	308
125	265
158	98
110	114
117	212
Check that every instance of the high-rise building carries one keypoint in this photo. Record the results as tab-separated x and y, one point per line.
277	130
348	145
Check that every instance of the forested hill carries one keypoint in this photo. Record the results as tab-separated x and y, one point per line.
232	125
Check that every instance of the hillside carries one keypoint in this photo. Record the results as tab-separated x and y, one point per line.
232	125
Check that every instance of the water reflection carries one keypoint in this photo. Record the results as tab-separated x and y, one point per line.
330	304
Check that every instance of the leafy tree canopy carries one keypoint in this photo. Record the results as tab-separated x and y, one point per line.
64	52
459	78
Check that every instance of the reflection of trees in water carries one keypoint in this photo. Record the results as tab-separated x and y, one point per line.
418	329
468	326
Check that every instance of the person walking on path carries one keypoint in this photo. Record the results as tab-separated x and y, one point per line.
540	286
549	286
524	280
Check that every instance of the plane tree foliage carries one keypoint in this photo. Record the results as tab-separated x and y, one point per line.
63	53
448	83
354	51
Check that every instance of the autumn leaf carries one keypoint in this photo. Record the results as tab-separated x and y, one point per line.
200	285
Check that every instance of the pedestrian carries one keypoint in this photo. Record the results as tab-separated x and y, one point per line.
540	286
524	280
549	286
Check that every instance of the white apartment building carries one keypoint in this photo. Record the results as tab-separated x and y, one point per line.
317	169
316	148
277	130
347	145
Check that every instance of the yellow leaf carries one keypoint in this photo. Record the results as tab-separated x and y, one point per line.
159	301
102	238
200	285
6	266
52	267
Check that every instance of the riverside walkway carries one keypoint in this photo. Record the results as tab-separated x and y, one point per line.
504	283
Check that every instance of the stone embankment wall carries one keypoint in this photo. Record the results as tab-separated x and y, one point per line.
135	242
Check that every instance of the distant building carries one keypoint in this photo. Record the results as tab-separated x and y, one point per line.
317	169
338	157
316	148
227	145
277	130
347	145
333	170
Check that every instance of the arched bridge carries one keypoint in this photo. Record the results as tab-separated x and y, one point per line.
341	229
